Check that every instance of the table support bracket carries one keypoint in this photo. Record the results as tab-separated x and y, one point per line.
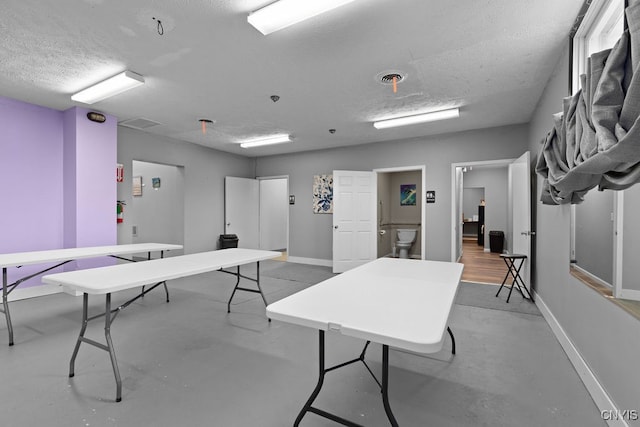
109	316
237	287
8	288
384	386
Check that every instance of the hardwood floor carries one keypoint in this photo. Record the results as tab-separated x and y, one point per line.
480	266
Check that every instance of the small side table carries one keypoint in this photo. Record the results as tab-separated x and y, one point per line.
514	271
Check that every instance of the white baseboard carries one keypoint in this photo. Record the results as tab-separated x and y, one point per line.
630	294
310	261
33	292
595	389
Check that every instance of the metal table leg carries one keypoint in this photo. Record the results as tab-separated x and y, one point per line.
109	316
108	319
8	288
384	386
5	304
237	286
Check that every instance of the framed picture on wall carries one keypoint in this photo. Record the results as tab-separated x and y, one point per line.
136	186
407	194
323	194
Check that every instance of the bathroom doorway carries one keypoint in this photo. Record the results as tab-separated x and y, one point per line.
401	206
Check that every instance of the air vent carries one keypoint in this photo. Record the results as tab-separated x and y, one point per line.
139	123
387	79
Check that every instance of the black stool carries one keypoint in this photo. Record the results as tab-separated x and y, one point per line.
510	260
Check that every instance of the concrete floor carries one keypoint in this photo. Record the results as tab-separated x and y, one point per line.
189	363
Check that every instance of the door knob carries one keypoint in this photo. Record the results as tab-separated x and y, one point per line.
228	224
335	226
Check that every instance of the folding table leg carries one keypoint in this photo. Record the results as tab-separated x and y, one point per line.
385	385
112	354
107	333
316	391
85	321
237	286
166	289
453	341
5	304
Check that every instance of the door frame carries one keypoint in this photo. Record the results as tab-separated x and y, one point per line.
423	210
454	218
260	178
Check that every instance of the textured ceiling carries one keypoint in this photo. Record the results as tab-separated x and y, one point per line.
491	58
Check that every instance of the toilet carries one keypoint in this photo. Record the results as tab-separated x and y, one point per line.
406	237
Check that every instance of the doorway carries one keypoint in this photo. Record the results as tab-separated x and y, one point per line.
396	209
480	207
156	210
257	212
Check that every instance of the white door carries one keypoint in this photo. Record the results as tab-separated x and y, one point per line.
241	210
520	196
458	220
354	214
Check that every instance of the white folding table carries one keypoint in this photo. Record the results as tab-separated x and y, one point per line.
400	303
106	280
64	256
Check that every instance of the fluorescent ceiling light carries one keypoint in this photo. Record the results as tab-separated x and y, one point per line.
110	87
283	13
418	118
276	139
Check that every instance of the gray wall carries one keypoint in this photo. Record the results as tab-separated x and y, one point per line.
494	181
604	335
471	196
311	236
594	234
204	172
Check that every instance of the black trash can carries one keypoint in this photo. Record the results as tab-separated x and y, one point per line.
228	241
496	241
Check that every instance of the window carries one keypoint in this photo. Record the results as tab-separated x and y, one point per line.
599	225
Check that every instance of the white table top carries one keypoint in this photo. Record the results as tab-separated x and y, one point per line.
103	280
399	302
55	255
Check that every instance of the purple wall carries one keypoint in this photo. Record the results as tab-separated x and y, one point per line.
90	187
59	186
31	187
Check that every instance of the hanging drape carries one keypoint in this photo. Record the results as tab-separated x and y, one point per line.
595	141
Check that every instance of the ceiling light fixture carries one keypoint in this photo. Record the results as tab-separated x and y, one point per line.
110	87
275	139
418	118
284	13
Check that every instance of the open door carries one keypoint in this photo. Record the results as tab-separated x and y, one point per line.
354	219
241	210
520	197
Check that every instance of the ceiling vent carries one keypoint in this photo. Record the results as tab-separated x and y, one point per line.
139	123
386	78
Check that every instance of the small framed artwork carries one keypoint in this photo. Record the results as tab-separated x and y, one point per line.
407	194
323	194
136	186
155	183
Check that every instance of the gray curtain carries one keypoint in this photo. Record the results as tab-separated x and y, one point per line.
595	141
